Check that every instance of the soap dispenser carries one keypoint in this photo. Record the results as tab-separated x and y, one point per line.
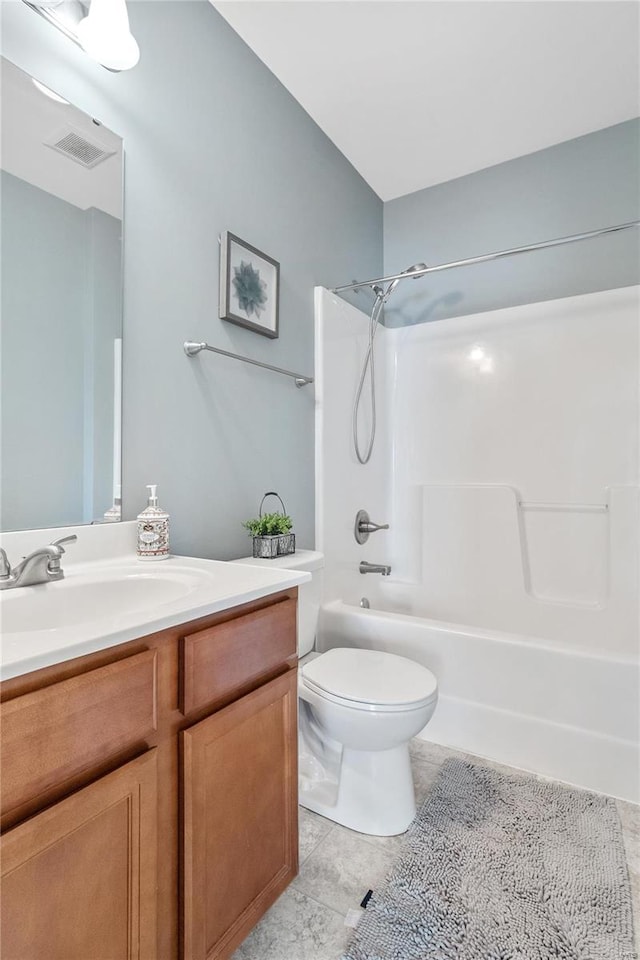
153	529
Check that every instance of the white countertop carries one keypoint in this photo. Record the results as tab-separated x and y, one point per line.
102	603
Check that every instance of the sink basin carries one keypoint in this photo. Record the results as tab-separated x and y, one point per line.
76	600
102	603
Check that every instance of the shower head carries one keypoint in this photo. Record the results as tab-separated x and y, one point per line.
394	283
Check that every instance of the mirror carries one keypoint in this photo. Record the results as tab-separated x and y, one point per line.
61	310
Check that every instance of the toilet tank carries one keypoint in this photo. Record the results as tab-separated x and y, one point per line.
309	594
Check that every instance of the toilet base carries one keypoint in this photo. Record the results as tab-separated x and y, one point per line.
373	794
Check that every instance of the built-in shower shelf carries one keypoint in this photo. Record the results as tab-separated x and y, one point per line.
563	507
508	551
565	551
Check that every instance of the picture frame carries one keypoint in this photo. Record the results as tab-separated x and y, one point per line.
249	286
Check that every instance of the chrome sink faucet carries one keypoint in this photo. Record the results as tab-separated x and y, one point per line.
382	568
41	566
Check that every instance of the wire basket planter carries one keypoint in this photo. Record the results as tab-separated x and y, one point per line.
269	546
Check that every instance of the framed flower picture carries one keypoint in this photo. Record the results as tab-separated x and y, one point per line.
249	286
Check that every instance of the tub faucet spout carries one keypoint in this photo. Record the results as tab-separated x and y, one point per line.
382	568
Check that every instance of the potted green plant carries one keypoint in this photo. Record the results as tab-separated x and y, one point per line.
271	532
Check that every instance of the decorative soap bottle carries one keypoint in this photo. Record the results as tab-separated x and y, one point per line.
153	529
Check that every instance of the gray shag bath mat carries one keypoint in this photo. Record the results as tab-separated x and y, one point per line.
503	867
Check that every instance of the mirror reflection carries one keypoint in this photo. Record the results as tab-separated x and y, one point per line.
61	310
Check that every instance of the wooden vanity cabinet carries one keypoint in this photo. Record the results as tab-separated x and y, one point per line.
149	792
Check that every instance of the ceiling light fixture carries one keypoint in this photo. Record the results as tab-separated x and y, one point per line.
100	27
105	35
48	93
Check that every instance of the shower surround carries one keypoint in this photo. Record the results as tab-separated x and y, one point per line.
506	463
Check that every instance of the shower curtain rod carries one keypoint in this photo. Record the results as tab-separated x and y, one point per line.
488	256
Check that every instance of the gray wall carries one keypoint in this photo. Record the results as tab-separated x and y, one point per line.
104	325
61	284
42	451
569	188
212	142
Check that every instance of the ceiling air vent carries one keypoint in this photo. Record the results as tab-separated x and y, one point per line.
76	146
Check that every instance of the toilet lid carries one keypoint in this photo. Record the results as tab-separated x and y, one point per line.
371	677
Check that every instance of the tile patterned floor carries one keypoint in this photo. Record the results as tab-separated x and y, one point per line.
338	866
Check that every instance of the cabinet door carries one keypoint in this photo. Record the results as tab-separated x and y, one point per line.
240	843
79	879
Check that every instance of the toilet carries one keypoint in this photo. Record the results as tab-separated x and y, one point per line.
358	710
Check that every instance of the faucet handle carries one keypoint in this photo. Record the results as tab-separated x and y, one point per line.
5	566
369	527
58	543
364	526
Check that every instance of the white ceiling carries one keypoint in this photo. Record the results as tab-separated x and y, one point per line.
416	92
28	117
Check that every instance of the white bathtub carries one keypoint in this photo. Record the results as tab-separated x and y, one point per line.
539	707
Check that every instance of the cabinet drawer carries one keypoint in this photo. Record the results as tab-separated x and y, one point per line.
220	661
53	734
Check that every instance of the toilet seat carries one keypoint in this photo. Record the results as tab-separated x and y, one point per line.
370	680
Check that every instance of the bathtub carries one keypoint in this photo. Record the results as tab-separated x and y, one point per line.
543	708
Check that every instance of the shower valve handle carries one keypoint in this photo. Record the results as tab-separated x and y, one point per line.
364	526
369	527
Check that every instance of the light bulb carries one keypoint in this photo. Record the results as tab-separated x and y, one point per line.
104	34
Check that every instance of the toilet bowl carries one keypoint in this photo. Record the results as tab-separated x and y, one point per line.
358	710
